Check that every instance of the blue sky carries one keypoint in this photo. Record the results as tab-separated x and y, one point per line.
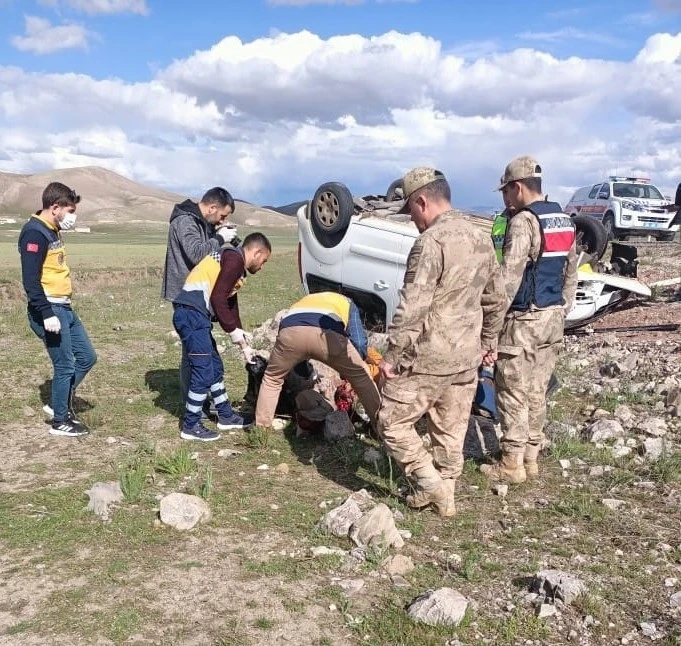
358	91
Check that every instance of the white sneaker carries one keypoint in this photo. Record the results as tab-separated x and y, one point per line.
47	409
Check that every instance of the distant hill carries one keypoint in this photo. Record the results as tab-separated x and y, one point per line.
108	197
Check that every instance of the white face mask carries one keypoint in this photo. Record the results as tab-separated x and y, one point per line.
68	221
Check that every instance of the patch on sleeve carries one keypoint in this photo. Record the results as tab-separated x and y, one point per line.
412	263
32	247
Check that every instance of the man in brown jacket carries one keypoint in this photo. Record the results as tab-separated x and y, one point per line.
451	310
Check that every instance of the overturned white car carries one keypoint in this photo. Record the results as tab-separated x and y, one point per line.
359	247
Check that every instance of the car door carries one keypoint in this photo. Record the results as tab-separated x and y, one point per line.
373	265
602	201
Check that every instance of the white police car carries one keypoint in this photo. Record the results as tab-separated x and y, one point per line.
626	206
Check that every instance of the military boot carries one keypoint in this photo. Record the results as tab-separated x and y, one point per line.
510	469
530	460
432	491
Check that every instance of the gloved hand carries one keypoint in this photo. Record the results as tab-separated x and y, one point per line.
239	336
52	324
249	353
226	233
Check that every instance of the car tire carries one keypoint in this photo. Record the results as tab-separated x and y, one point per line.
331	210
395	191
592	237
667	237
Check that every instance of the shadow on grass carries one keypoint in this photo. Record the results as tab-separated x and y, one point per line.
79	405
312	449
165	382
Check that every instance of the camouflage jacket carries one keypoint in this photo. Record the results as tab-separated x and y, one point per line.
452	303
523	243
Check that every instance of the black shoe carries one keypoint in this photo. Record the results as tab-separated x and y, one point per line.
69	428
199	432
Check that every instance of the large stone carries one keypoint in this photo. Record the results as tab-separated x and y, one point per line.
675	600
398	565
183	511
654	426
603	430
376	528
339	520
337	426
624	414
557	585
102	496
443	607
654	448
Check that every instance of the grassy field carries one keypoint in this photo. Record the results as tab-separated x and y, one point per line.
247	577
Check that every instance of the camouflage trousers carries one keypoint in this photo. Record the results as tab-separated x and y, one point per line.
528	348
447	400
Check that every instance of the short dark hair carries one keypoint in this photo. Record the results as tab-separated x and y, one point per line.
531	183
220	196
257	239
437	190
59	194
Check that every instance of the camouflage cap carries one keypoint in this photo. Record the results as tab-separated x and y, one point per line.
520	168
417	178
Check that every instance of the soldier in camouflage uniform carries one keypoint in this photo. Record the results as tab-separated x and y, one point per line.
451	310
539	269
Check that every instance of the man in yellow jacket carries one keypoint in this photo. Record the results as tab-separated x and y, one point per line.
326	327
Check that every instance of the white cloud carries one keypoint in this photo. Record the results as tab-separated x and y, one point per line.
661	48
93	7
273	118
44	38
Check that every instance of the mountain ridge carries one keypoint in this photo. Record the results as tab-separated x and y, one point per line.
108	197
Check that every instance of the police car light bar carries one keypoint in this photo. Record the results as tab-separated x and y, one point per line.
642	180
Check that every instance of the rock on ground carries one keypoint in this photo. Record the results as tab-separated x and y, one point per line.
654	426
604	429
183	511
337	426
443	607
398	565
654	448
556	584
376	528
102	496
339	520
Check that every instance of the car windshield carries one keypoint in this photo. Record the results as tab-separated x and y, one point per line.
640	191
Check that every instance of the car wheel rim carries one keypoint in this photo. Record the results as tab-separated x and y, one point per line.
328	209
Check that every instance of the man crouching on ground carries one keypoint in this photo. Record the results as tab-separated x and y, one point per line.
326	327
450	313
211	291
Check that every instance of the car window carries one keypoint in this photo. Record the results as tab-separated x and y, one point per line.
604	193
645	191
594	190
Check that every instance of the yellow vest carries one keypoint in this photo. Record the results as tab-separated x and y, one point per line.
327	303
56	275
201	280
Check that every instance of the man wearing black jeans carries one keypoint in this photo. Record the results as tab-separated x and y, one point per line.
47	283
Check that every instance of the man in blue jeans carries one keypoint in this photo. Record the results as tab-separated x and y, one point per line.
47	282
210	292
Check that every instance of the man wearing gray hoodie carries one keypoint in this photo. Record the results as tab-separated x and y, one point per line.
195	231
